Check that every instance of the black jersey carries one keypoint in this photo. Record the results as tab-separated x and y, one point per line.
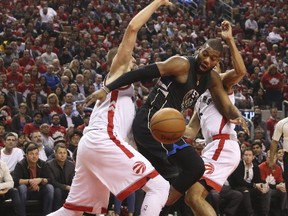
168	92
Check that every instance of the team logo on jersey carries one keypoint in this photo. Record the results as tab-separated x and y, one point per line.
112	106
189	99
139	167
209	168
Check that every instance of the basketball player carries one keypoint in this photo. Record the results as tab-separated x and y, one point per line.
222	151
183	80
105	161
281	130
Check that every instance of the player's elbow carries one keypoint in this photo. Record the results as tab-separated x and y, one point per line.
132	27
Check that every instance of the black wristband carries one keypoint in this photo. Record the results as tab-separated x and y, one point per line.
144	73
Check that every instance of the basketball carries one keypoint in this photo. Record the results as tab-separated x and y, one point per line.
167	125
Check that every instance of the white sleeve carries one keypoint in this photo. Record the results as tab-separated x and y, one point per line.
277	131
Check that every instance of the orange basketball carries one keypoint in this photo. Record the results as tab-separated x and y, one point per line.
167	125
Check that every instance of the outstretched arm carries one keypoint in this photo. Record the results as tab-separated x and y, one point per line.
124	54
232	77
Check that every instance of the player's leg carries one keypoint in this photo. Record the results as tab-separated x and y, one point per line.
196	198
156	196
192	168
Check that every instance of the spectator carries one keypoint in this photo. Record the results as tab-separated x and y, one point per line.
274	36
68	120
246	179
98	82
259	154
56	130
275	182
251	26
26	86
33	126
10	154
48	56
272	121
31	177
61	174
14	98
53	102
44	151
8	192
15	76
76	95
271	82
51	78
40	94
74	139
32	103
46	137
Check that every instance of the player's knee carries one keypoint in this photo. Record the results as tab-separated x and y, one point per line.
158	185
192	200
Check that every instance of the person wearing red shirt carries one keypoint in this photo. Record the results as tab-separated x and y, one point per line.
26	61
56	130
33	126
272	82
26	86
271	121
274	180
15	76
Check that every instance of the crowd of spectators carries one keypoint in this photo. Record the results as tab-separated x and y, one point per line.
53	55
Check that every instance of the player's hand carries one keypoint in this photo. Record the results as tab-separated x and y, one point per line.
165	2
226	30
97	95
241	121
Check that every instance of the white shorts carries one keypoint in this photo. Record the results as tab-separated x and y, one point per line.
105	165
221	158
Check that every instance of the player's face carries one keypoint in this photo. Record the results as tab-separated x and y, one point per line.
208	58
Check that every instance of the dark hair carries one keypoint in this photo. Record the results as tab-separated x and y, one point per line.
30	146
216	44
257	142
59	145
248	149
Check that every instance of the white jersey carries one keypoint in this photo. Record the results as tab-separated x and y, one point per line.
211	121
281	129
112	113
222	151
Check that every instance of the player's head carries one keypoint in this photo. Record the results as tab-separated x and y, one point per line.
209	54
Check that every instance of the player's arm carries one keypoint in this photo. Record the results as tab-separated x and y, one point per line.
174	66
232	77
274	143
121	60
223	103
193	127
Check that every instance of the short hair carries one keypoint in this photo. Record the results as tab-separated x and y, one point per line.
37	113
216	44
257	142
248	149
10	134
59	145
30	146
